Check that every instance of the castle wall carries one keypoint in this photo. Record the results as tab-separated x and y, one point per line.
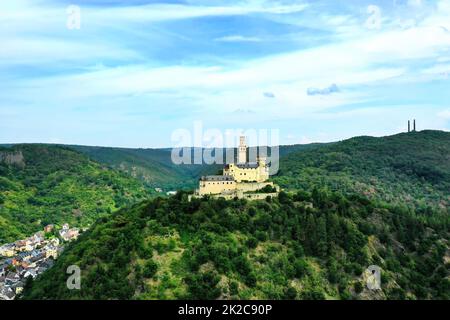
258	174
248	196
230	187
252	186
214	187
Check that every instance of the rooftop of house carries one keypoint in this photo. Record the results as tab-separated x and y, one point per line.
7	246
12	275
7	292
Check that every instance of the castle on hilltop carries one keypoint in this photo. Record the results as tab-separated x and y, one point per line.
241	179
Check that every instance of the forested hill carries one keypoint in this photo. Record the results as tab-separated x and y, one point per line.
155	167
41	184
360	202
298	246
412	169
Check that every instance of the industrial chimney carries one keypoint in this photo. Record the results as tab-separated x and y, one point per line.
409	126
414	125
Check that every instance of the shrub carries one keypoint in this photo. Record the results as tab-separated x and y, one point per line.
150	269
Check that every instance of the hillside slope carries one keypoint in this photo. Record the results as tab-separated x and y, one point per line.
412	169
42	184
155	168
279	249
382	201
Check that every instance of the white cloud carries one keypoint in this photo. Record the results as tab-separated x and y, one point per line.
444	114
357	57
238	38
268	94
322	91
165	12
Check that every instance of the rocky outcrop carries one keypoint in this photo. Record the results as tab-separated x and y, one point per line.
15	158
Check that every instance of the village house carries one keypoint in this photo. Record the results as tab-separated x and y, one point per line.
24	256
51	251
69	234
11	278
49	228
17	287
54	241
6	293
7	250
29	258
20	245
3	268
37	255
30	273
20	270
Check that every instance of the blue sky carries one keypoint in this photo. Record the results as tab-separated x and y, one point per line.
136	71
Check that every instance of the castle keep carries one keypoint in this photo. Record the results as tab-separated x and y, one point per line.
241	179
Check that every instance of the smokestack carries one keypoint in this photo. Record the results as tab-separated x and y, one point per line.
414	125
409	126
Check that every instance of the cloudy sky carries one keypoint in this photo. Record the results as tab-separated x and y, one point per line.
136	71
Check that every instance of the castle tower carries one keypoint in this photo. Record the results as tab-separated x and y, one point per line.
261	161
242	152
263	170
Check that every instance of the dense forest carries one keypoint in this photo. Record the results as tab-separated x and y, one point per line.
77	184
42	184
412	169
154	167
304	245
345	206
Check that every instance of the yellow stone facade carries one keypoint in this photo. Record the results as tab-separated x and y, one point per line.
209	185
237	178
248	172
